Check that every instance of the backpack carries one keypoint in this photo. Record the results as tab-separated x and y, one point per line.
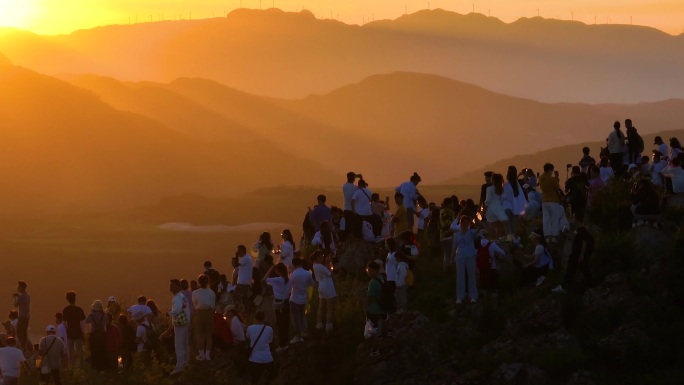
387	301
483	260
410	279
151	338
639	142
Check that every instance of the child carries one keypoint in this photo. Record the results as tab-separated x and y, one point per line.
401	291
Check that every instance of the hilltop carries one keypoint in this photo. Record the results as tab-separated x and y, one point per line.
292	55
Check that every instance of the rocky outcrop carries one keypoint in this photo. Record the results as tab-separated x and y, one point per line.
354	256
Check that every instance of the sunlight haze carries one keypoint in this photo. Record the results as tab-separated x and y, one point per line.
65	16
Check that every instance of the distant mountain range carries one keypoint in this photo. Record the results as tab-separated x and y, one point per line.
292	55
386	126
62	148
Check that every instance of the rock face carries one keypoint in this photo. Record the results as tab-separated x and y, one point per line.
355	255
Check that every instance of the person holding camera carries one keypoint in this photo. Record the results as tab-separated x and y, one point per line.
243	263
22	302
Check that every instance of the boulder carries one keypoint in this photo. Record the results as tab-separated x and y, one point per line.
354	256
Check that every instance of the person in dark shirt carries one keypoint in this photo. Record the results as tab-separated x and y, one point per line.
73	317
214	277
576	188
582	248
483	190
128	345
586	161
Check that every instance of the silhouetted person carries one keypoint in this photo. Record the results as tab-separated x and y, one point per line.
22	302
586	161
582	248
616	146
635	144
73	317
320	212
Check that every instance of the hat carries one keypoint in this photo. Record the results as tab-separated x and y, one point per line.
97	305
657	139
111	299
535	235
228	309
631	166
138	315
50	328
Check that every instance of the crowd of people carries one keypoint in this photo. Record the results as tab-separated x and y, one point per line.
273	284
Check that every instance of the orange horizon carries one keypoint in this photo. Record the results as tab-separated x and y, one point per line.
49	17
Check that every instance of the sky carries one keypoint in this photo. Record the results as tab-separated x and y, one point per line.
64	16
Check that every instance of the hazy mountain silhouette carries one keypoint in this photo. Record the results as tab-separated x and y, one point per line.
415	122
164	105
558	156
61	148
4	61
283	54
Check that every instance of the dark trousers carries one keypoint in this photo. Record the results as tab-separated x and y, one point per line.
22	332
616	163
283	321
531	273
573	265
54	373
256	371
634	157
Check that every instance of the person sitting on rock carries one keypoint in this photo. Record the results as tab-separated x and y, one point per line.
645	203
537	269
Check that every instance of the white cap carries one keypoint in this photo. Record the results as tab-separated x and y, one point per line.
631	166
111	299
50	328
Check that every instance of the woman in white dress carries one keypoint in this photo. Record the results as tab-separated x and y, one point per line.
287	249
496	215
514	200
326	290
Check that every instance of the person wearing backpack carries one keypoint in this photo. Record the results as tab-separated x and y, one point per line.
52	350
375	312
486	264
97	339
143	337
401	291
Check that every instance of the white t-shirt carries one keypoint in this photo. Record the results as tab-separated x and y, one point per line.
326	286
237	329
318	241
203	299
422	216
245	270
144	309
61	332
348	190
391	267
677	176
286	253
494	250
301	280
362	202
656	169
606	173
402	271
367	232
141	332
543	257
10	361
281	290
261	351
410	193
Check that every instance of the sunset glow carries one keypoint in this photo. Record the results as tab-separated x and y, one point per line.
64	16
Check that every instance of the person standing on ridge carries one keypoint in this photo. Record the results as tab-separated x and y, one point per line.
22	302
74	317
180	319
616	146
410	194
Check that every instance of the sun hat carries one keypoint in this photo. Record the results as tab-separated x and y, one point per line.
97	305
50	328
111	299
631	166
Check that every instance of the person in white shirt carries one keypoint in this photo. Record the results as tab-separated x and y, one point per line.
52	349
287	249
301	280
11	362
606	172
656	168
616	146
324	239
489	274
244	277
676	173
61	330
326	290
140	307
662	148
361	200
514	200
423	217
391	266
237	324
260	360
204	303
180	318
410	192
282	287
348	190
401	292
141	330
